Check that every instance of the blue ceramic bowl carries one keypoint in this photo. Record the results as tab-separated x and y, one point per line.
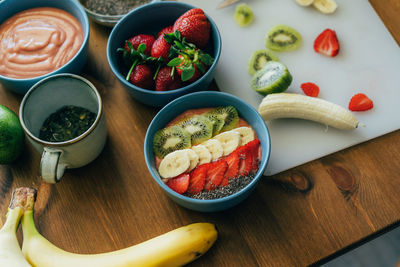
75	65
150	19
202	100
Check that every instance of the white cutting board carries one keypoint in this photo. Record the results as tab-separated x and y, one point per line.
368	62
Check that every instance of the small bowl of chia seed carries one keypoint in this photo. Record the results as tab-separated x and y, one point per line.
109	12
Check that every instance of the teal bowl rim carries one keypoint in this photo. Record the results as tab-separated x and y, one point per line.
244	190
84	43
117	73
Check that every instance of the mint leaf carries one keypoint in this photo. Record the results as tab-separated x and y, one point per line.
175	62
187	73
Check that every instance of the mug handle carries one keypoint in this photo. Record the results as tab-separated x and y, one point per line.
50	168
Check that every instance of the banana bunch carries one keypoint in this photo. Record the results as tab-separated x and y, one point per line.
185	160
324	6
175	248
285	105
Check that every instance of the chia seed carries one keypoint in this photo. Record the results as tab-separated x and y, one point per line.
233	186
112	7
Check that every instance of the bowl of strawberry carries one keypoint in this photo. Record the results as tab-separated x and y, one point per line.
207	155
163	50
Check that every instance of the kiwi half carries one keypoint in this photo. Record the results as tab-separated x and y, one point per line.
199	127
283	38
274	77
259	59
228	114
243	15
169	139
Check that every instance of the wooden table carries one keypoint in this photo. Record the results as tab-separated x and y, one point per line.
299	217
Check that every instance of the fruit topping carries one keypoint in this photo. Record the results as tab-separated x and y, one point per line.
229	140
233	168
283	38
259	59
246	160
170	139
165	81
215	148
203	153
199	128
174	164
179	184
274	77
360	102
215	173
327	43
194	26
217	121
193	158
246	134
243	15
227	113
310	89
197	179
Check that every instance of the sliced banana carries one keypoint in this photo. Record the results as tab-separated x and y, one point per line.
215	148
193	157
229	140
203	153
325	6
304	2
246	134
284	105
174	164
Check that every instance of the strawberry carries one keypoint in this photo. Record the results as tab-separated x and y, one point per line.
160	48
187	63
233	167
146	39
310	89
194	26
142	76
167	80
360	102
246	160
327	43
166	30
197	179
179	184
215	173
253	147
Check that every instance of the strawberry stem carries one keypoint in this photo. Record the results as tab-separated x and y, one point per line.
131	69
158	69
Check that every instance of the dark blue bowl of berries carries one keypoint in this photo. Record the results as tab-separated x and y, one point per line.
164	50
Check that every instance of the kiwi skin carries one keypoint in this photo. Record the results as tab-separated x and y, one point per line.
259	59
282	38
279	79
243	15
203	123
162	136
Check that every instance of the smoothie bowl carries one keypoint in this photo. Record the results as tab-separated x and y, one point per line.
40	38
207	155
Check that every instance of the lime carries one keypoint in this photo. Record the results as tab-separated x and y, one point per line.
11	136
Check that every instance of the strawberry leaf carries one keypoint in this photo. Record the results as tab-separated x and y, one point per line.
187	73
141	48
206	59
200	67
130	45
175	62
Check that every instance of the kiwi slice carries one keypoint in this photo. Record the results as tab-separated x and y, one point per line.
199	127
274	77
228	114
169	139
218	123
243	15
259	59
283	38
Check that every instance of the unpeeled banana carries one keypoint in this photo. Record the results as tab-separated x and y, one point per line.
175	248
10	252
286	105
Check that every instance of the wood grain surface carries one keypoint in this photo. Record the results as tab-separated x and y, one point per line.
296	218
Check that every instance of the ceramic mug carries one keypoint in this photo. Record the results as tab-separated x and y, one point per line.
46	97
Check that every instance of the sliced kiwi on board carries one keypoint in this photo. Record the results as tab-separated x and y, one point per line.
199	127
228	114
243	15
218	123
274	77
283	38
259	59
169	139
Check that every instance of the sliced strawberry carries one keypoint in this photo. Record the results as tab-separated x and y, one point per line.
327	43
215	174
233	167
197	179
246	160
179	184
360	102
259	154
310	89
253	147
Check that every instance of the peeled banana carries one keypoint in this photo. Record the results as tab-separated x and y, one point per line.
246	134
285	105
229	140
304	2
203	153
215	148
10	252
325	6
174	164
175	248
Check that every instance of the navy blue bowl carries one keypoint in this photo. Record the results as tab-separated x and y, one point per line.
202	100
75	65
150	19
